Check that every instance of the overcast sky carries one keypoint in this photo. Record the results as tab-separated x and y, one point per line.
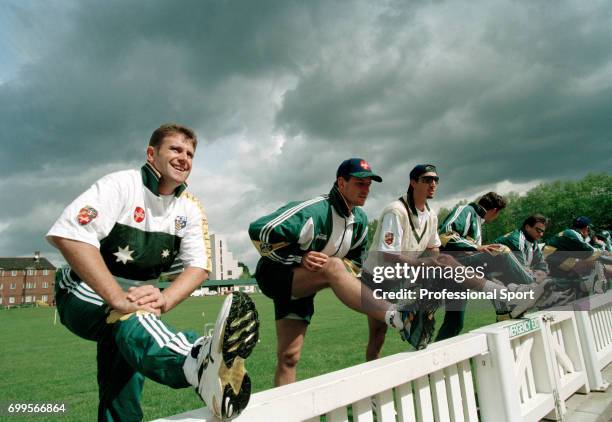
499	95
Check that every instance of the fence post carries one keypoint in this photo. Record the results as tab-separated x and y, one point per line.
515	380
589	346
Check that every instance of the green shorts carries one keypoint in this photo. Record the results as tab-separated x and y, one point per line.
275	281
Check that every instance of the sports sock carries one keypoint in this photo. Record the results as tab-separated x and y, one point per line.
190	366
393	318
490	286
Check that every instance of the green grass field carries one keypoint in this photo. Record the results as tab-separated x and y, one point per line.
45	363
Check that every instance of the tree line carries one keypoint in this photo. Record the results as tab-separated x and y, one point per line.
560	201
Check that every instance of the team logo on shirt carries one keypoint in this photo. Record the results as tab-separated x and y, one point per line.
86	215
389	238
139	214
180	222
364	165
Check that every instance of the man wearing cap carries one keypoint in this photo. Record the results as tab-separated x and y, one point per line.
570	257
311	245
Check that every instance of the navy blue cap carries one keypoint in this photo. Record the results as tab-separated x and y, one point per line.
357	167
581	222
421	169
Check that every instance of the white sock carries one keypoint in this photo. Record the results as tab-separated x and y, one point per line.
190	367
393	318
489	287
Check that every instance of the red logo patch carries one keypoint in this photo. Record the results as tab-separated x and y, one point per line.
139	214
364	165
389	238
86	214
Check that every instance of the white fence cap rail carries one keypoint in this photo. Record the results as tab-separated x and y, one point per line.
316	396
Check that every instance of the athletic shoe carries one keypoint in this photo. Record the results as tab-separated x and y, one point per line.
223	383
518	307
422	330
407	318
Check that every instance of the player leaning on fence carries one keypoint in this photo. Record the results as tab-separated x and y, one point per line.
405	225
461	232
310	245
129	227
574	263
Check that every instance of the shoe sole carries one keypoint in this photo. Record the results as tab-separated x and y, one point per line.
238	324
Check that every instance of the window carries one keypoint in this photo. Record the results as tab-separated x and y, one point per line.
31	272
229	272
0	300
44	298
1	272
45	272
14	273
13	286
29	285
45	285
28	299
1	286
11	299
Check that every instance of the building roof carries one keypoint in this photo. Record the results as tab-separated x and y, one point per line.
218	283
29	263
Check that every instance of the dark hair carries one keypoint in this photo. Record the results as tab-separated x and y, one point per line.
492	200
171	128
533	219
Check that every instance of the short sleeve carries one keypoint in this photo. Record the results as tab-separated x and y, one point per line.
391	233
91	216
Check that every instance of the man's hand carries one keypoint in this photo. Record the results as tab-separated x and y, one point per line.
147	295
314	261
445	260
490	249
126	306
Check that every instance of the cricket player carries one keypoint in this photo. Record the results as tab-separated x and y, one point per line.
310	245
572	260
461	231
524	243
407	233
117	237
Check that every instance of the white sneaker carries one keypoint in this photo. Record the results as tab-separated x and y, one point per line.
519	306
223	383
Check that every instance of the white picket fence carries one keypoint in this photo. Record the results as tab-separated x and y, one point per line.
524	369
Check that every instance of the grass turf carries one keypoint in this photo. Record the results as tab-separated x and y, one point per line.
45	363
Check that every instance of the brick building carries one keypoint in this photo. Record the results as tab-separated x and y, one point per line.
26	280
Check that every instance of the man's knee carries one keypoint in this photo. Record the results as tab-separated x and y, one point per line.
333	266
289	358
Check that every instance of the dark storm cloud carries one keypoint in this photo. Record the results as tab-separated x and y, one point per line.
493	92
121	68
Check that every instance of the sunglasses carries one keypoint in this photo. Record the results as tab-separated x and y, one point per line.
539	230
429	179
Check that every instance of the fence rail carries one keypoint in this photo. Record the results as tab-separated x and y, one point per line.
525	370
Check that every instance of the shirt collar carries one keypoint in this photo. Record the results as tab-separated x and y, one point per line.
479	210
151	177
338	201
527	237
